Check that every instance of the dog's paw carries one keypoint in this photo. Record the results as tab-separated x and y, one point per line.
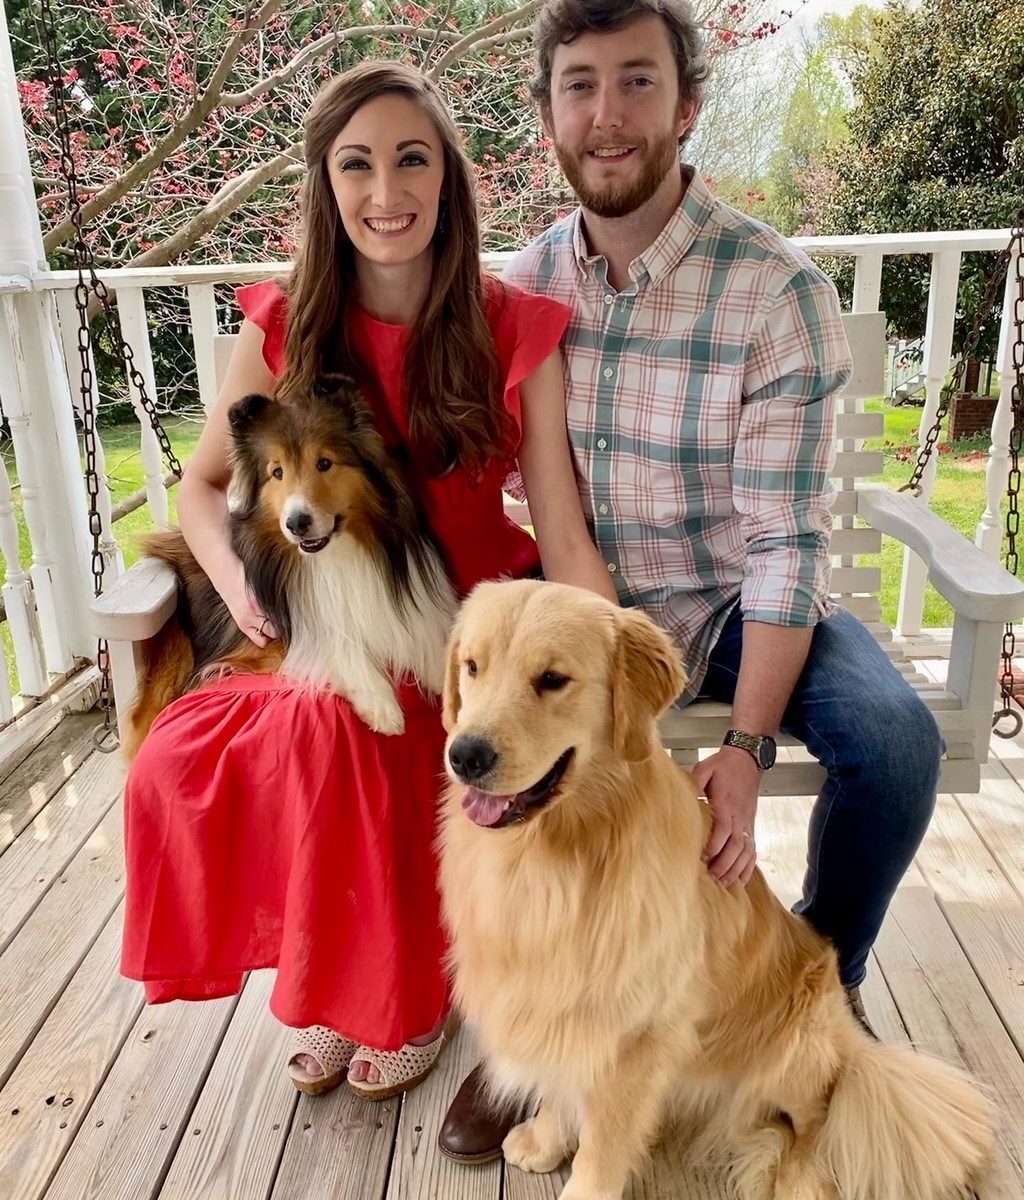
383	713
524	1149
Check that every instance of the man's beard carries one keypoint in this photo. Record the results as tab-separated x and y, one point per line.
621	199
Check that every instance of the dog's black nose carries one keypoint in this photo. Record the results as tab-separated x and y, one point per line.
471	757
298	523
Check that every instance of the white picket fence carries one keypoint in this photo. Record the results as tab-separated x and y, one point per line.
44	592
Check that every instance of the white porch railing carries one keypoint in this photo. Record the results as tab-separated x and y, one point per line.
35	306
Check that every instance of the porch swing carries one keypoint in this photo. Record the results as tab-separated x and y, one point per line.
986	597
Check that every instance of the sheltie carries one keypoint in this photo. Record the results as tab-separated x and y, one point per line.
337	555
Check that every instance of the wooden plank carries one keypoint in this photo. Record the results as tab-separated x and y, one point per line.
862	540
850	581
948	1014
36	967
50	1094
978	899
858	464
43	851
245	1109
859	425
338	1148
76	692
419	1170
38	777
144	1108
864	608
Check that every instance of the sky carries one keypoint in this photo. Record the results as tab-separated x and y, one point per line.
805	17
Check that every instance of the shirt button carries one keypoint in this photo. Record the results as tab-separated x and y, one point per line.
608	372
609	299
601	444
603	509
612	568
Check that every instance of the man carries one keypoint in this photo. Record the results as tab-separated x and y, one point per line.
701	369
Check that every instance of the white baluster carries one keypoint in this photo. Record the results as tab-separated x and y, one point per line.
19	601
938	349
113	560
203	311
867	290
57	653
867	283
131	312
989	534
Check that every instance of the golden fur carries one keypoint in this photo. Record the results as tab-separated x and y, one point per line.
609	977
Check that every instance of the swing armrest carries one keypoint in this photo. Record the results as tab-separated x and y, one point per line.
976	586
137	604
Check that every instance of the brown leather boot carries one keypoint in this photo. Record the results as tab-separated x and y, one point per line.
473	1131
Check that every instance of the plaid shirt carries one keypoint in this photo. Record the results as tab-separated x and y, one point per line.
700	404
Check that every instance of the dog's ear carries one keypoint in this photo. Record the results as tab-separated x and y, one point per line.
452	701
247	469
244	413
647	676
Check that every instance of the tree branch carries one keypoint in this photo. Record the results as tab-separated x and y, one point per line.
195	116
221	205
464	45
319	47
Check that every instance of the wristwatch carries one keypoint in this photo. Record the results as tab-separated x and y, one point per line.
759	746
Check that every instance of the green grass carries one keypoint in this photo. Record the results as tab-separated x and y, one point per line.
125	476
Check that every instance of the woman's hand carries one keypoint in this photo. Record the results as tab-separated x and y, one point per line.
248	616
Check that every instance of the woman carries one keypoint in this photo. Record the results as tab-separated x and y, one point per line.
267	826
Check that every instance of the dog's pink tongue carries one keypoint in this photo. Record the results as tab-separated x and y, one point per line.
483	808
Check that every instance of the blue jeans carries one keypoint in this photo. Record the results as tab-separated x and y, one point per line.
881	748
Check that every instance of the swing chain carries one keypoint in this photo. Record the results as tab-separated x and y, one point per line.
105	737
1007	721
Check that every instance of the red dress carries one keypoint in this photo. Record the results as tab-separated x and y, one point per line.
268	827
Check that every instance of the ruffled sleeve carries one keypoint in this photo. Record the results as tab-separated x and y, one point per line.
526	328
266	306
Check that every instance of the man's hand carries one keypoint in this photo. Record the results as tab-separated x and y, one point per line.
730	779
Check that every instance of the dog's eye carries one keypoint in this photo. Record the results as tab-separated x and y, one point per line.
551	681
470	666
278	472
324	464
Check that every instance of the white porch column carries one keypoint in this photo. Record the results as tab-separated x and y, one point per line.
43	381
938	348
989	534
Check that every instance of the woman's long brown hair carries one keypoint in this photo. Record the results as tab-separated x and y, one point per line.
455	412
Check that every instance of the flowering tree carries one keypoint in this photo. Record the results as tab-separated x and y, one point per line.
187	122
189	113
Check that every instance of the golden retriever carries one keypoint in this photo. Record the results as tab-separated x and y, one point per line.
608	977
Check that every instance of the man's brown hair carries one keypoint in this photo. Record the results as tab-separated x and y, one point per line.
562	21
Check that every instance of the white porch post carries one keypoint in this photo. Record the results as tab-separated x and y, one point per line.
989	534
938	347
40	370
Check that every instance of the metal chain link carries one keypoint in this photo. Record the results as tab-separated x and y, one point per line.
105	737
1007	721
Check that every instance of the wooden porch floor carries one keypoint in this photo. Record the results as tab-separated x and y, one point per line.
104	1098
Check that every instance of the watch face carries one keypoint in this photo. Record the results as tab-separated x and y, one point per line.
766	754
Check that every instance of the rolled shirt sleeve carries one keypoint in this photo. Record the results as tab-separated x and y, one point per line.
799	360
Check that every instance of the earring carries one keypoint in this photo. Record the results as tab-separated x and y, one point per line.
442	218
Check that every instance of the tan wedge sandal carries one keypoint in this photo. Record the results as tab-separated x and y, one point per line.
331	1053
399	1070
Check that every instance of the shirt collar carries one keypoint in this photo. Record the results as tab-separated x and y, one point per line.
674	241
